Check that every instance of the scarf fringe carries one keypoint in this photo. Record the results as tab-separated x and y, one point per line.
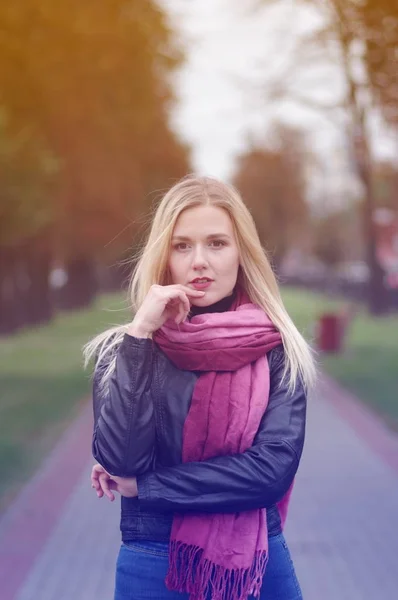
190	573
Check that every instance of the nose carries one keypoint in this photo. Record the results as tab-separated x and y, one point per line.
199	260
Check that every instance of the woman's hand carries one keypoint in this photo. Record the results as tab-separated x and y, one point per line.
105	484
162	302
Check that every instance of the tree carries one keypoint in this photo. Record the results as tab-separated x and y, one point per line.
346	30
380	36
27	173
366	23
335	238
385	185
93	81
272	183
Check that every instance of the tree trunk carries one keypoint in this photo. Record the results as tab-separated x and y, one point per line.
9	321
24	285
377	294
37	263
21	286
377	297
81	286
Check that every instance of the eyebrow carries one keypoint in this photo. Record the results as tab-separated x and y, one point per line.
212	236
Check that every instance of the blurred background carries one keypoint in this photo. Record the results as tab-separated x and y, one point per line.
104	105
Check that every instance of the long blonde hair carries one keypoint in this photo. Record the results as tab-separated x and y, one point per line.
255	273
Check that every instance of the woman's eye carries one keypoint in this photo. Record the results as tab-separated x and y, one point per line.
181	246
217	243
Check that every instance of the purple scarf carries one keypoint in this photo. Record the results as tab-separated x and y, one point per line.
224	554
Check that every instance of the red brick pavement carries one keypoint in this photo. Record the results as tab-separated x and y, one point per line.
26	527
369	426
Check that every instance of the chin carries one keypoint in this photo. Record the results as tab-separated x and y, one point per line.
208	299
201	301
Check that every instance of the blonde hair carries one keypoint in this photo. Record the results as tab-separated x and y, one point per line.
255	273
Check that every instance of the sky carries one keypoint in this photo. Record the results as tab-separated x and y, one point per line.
235	58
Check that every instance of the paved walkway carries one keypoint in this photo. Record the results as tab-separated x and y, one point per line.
59	542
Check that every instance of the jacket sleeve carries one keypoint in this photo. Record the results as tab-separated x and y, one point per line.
257	478
124	426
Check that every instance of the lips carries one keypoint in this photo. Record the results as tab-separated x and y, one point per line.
201	280
201	283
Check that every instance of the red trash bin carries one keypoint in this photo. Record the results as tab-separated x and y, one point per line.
330	333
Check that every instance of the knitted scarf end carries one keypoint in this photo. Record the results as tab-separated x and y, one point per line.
190	573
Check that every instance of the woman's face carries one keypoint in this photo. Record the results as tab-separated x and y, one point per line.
204	253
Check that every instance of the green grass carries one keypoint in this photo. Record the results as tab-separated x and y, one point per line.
369	364
42	384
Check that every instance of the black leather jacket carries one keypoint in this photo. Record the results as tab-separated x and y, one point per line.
138	426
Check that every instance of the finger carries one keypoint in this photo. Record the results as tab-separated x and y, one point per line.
191	292
95	472
183	308
179	305
105	489
111	485
95	483
181	314
184	302
98	490
104	481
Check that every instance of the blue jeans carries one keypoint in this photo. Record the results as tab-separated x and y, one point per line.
142	567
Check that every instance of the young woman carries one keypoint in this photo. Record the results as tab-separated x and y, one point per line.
199	407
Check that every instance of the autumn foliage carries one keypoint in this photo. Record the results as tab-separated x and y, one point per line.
84	138
272	182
